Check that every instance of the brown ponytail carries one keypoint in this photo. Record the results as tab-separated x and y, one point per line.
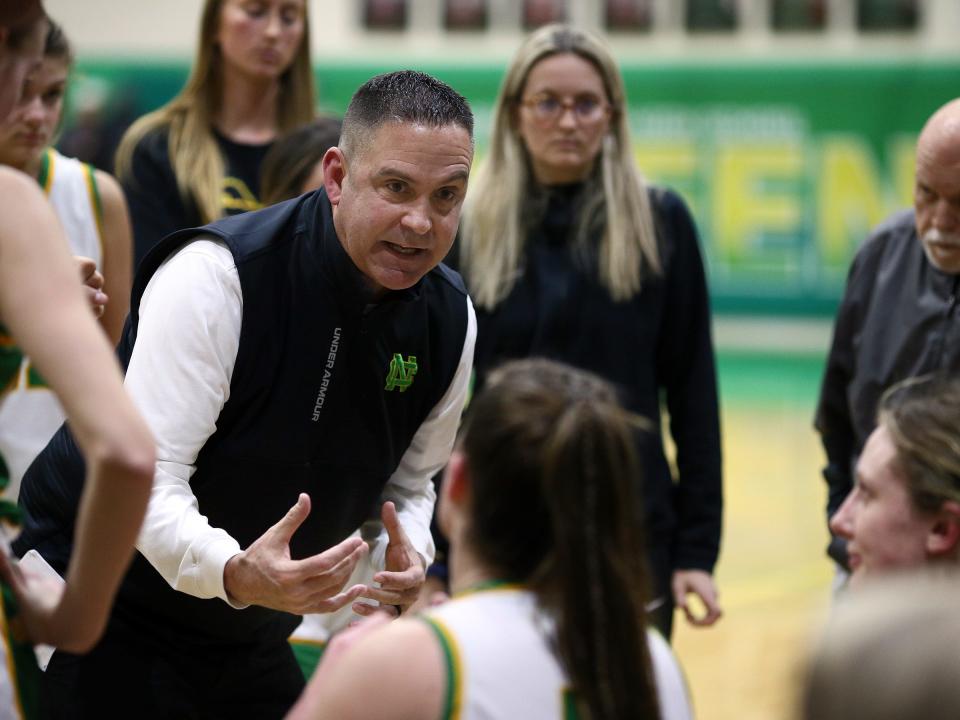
555	505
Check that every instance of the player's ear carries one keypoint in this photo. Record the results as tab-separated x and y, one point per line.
334	173
454	491
943	538
459	477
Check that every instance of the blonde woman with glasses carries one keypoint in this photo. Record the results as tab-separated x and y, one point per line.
568	254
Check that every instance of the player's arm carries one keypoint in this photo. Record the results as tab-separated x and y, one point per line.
42	304
117	255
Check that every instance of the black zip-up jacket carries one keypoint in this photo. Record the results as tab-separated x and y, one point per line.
274	437
655	345
897	319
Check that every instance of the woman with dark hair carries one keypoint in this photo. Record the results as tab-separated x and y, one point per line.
43	310
198	157
548	617
293	165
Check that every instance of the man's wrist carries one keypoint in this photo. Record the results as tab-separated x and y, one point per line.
233	583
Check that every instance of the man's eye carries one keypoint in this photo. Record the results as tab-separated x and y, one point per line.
395	186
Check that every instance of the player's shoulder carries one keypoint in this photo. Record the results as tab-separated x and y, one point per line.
16	180
409	682
19	193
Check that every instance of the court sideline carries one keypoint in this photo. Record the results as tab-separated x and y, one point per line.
773	575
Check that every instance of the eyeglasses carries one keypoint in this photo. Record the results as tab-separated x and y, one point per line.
547	108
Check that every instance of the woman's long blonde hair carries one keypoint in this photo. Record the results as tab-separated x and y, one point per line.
498	203
194	153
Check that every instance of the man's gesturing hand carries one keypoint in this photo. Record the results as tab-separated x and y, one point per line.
264	574
401	580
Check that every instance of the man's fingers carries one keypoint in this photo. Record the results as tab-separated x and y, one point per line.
341	558
367	610
391	521
412	577
289	523
391	597
332	581
332	604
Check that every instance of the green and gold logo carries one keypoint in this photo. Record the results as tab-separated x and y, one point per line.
400	375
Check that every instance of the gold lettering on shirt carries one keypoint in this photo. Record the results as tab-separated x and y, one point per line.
236	196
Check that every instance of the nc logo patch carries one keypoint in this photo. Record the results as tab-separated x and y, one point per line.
401	372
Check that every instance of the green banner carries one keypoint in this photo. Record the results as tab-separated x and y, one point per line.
786	166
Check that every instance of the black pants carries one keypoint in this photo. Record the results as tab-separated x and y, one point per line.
133	673
660	569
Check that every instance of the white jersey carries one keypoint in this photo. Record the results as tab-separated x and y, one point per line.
500	665
29	412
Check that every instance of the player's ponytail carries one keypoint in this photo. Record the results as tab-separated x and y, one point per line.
554	506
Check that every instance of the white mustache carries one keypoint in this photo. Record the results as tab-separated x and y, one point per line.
938	238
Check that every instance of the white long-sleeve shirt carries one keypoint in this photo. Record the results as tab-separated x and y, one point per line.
179	377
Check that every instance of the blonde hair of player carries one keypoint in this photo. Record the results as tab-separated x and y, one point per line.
42	305
190	116
493	229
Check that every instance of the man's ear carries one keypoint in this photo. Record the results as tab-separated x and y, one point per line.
943	537
334	172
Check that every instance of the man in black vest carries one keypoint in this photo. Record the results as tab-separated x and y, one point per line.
303	368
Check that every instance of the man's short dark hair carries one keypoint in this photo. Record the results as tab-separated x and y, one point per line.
404	96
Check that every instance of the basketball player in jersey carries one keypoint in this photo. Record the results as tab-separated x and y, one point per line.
92	211
547	620
43	307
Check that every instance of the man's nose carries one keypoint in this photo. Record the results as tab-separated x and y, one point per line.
945	216
417	219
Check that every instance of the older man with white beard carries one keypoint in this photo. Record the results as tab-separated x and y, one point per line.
899	314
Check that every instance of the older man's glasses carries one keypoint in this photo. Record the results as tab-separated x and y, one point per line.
546	108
